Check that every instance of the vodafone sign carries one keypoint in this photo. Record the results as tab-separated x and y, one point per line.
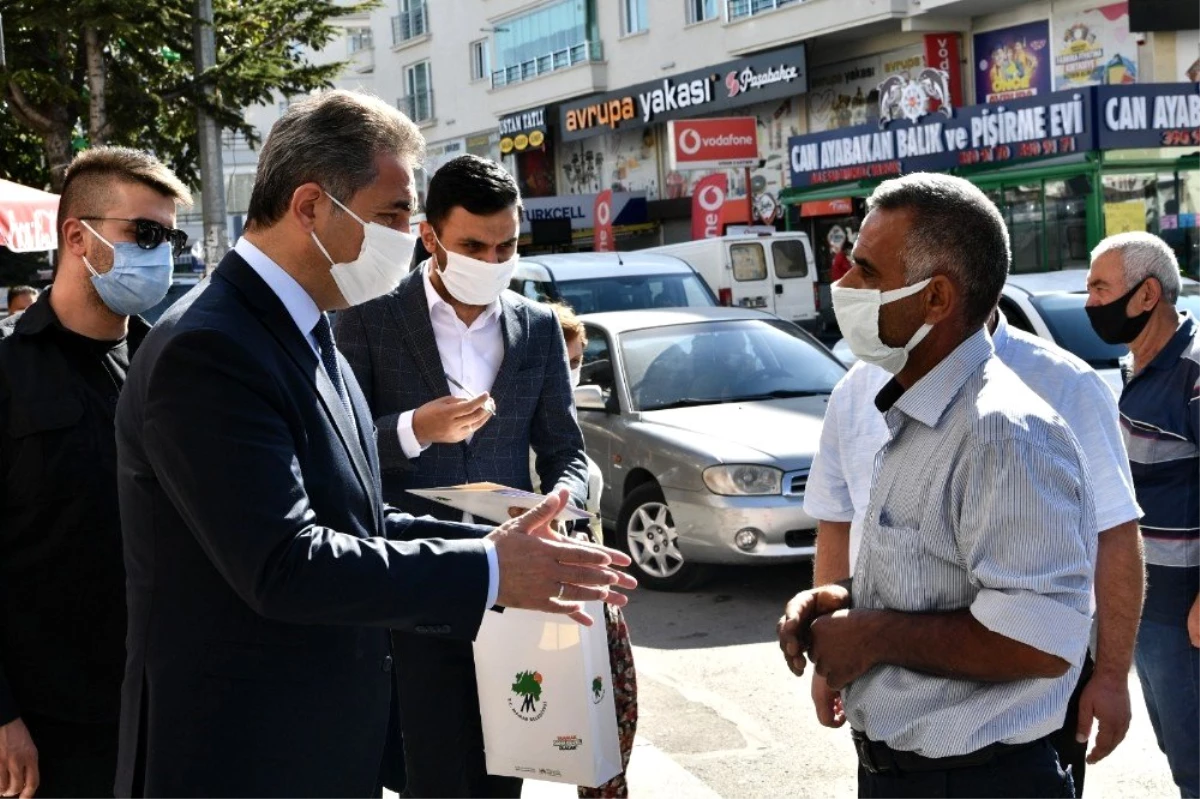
713	143
708	200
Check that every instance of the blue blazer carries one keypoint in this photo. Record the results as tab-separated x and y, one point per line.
390	344
263	568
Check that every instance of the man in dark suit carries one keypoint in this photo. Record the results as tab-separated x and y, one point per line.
449	332
263	567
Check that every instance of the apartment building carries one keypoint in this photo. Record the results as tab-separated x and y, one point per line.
574	97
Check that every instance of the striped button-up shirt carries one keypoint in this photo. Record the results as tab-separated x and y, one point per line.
1160	414
979	501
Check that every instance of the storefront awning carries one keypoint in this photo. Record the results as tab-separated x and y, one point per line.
27	218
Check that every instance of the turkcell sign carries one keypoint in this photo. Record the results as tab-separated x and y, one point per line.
719	143
1055	124
627	208
1149	115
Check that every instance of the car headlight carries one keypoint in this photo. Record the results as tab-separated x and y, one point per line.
741	480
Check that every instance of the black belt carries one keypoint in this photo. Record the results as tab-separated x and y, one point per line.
879	758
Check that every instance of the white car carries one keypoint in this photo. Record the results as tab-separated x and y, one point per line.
1050	305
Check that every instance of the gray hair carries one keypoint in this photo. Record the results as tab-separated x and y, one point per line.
331	139
1144	255
956	231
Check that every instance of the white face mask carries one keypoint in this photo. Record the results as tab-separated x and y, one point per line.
857	312
384	259
471	281
576	376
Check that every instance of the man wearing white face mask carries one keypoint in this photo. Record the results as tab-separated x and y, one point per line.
264	569
462	378
962	633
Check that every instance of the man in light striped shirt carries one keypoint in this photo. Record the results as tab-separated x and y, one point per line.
959	639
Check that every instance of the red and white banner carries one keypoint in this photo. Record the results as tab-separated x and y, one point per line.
708	200
721	143
27	218
602	214
941	52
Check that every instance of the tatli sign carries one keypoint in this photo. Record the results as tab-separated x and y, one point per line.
721	143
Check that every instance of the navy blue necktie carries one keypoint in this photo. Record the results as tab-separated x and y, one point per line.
323	333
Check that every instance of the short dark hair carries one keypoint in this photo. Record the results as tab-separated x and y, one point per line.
332	139
956	231
87	188
479	185
18	291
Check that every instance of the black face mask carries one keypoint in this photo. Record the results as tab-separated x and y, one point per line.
1112	325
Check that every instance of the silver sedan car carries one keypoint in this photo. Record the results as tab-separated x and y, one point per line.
704	422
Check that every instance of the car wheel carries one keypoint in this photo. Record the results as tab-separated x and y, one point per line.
646	530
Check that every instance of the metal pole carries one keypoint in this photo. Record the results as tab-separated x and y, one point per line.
3	59
749	200
212	172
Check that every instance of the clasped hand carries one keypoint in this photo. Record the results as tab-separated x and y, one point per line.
541	569
837	640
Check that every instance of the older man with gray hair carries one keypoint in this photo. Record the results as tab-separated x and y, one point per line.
958	640
1133	288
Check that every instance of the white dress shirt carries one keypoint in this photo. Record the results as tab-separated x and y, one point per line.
839	485
471	355
305	313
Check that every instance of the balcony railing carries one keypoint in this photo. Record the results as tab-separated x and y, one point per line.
410	24
550	62
746	8
418	107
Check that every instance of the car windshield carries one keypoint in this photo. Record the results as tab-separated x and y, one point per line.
705	363
636	292
1069	324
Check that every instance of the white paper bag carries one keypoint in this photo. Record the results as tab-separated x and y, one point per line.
545	697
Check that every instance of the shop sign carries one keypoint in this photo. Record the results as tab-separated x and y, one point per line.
524	130
1012	62
602	236
708	202
734	84
841	206
941	52
1055	124
1093	47
1148	115
625	208
725	142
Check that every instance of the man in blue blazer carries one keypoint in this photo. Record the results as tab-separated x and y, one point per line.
426	355
263	567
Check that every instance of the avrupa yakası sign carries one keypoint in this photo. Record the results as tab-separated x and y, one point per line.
1035	126
734	84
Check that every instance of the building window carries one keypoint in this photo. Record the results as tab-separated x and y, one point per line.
418	103
746	8
634	12
359	39
479	60
553	37
701	10
411	22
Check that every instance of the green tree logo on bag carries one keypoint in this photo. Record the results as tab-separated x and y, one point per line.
597	690
527	688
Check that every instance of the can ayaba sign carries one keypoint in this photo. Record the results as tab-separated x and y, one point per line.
1053	124
524	130
763	76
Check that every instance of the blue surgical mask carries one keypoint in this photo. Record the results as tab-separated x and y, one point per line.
138	280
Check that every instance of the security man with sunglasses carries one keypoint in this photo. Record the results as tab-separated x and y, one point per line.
63	363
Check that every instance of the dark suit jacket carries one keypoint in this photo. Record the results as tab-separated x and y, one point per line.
391	347
390	343
263	566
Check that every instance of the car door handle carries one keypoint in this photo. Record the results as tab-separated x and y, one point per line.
778	288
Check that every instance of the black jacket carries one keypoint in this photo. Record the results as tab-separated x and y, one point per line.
264	570
62	579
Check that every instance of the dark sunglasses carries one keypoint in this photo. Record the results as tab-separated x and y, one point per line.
149	234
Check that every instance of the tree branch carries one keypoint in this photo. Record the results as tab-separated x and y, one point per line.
24	110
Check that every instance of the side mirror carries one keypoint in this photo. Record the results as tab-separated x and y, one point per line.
590	398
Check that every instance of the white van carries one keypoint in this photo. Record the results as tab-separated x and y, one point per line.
772	271
597	282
